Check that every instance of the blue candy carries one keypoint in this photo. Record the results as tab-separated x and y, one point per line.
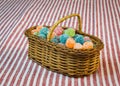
76	35
63	38
42	36
79	39
55	39
44	31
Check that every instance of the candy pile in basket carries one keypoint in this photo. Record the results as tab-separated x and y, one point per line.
66	37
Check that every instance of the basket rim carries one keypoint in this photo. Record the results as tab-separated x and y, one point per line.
98	47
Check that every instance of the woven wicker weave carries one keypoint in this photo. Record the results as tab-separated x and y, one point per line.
61	59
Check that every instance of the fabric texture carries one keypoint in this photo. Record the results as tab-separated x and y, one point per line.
99	17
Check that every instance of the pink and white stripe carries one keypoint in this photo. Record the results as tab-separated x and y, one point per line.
99	18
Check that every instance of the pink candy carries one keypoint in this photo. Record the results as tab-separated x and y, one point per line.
78	46
86	38
59	31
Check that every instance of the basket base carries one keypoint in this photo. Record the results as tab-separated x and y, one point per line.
59	72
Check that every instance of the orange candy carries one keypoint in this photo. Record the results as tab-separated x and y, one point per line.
33	31
78	46
53	35
36	30
70	43
39	27
88	45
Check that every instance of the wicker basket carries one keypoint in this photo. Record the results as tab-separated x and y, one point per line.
61	59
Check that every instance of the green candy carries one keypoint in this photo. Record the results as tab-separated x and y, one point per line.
70	32
36	33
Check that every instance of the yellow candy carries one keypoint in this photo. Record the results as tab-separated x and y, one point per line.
70	43
78	46
88	45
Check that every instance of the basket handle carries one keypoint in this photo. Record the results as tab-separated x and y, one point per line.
61	20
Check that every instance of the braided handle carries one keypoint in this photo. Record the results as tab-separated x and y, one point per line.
61	20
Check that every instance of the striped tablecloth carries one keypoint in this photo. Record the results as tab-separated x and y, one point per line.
99	17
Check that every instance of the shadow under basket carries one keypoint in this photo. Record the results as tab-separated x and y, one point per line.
59	58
